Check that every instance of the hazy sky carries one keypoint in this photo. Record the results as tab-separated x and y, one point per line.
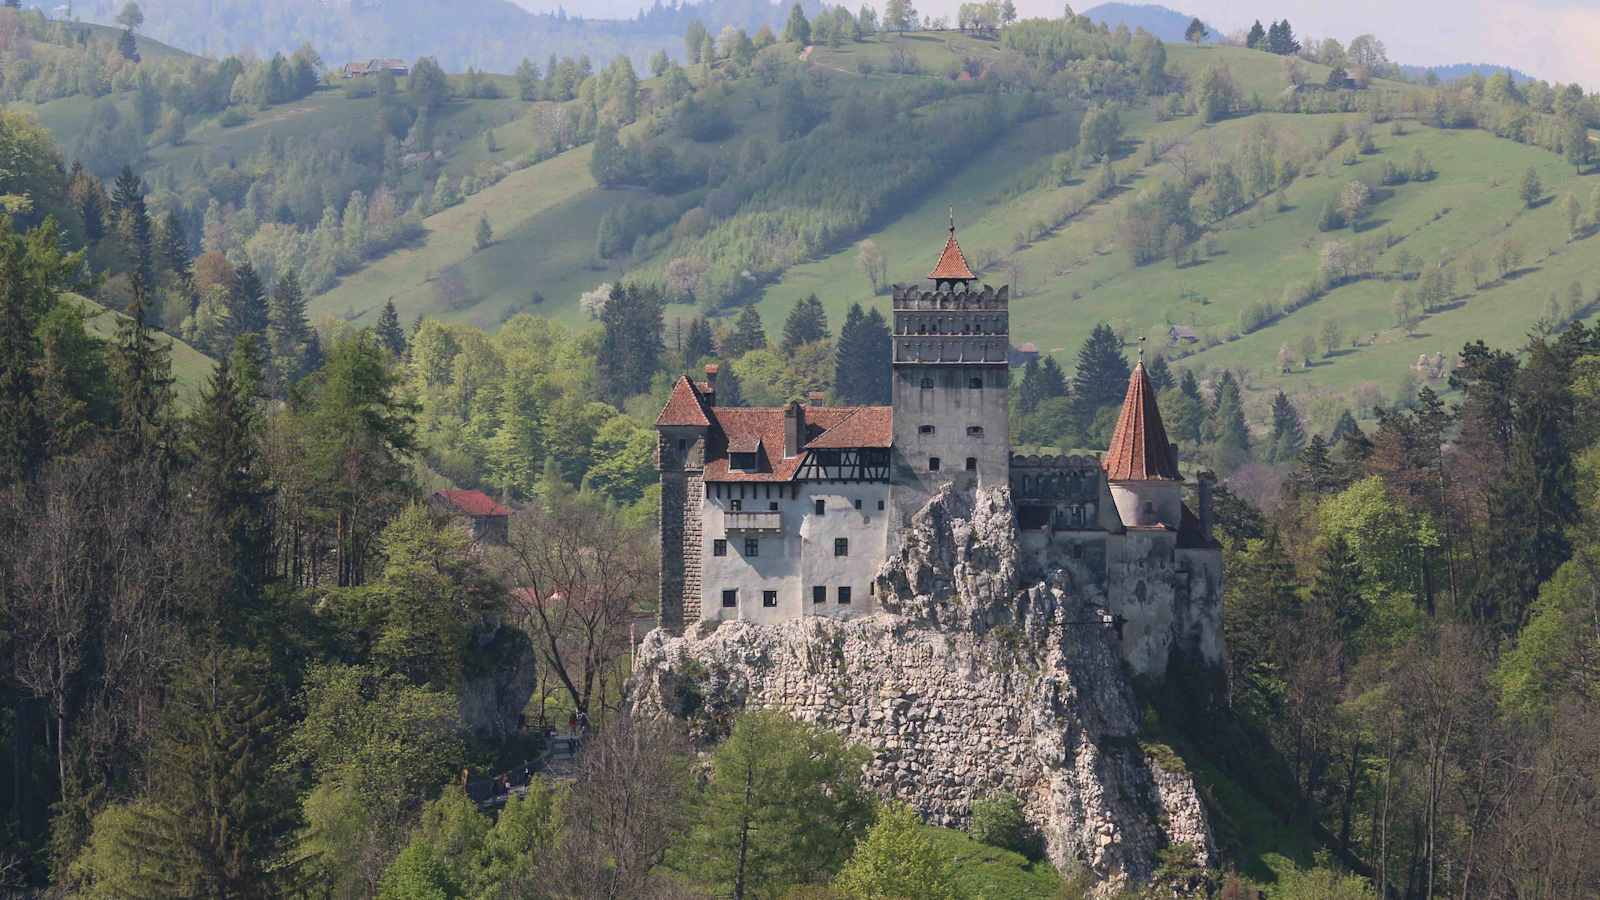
1553	39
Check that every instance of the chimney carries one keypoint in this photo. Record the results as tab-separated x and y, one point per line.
816	398
794	430
711	383
1174	448
1205	505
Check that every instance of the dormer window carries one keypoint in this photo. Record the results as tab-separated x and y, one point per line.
742	462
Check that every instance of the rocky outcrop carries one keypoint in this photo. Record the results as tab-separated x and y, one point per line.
964	684
499	682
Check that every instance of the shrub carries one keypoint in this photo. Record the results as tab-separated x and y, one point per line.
233	117
998	821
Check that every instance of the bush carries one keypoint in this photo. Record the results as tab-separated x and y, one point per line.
998	821
233	117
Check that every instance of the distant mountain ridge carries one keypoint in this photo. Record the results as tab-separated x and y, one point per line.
1458	71
1167	24
490	35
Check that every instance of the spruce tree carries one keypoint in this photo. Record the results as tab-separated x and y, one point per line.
1030	390
1231	447
747	334
850	368
1345	425
390	334
1288	432
247	303
1337	590
485	233
128	46
807	323
173	248
698	344
27	291
216	805
630	342
1103	372
229	485
127	200
287	331
797	29
1159	373
143	373
1314	473
878	348
730	392
1256	37
1053	381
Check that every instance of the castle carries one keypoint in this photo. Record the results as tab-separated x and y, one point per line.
771	515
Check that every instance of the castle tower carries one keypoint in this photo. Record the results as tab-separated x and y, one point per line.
950	378
683	430
1142	465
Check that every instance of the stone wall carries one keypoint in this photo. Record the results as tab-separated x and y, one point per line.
966	684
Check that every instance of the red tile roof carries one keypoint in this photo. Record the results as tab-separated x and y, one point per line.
952	262
741	427
685	407
866	426
1140	450
476	504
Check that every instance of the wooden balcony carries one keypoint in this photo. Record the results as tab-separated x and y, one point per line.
753	521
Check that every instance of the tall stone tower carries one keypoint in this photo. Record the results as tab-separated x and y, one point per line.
951	370
683	430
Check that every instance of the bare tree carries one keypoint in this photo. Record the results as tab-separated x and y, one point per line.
629	804
579	576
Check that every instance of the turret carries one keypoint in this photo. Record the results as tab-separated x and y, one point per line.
1142	465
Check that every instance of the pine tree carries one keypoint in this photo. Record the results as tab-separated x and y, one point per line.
699	343
1336	592
1231	446
127	201
143	375
390	334
247	303
128	46
174	247
1288	433
1102	375
878	349
32	271
1053	381
747	334
1314	472
1345	425
287	332
1256	37
485	234
807	323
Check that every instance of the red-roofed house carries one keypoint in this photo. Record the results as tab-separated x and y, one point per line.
490	522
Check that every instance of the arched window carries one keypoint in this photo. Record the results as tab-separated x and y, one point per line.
972	464
927	383
924	429
975	431
975	383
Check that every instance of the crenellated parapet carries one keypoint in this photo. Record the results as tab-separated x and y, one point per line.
958	324
956	297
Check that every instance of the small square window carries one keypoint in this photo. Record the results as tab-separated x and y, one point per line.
1149	507
736	505
975	383
752	546
880	506
972	464
927	383
820	506
924	429
844	596
719	547
769	598
975	431
773	506
933	464
841	546
819	594
730	599
858	503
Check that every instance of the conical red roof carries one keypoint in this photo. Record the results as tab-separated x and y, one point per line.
952	262
1140	450
684	407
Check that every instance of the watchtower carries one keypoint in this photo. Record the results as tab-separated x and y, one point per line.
951	373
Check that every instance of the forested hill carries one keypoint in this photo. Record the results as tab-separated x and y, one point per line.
494	35
1169	25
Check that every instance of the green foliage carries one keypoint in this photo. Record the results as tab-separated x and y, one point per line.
630	346
999	822
784	807
807	323
897	861
862	368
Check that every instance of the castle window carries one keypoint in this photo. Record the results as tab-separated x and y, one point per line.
820	506
769	598
924	429
880	506
933	464
975	383
927	383
682	445
730	599
972	464
1149	507
719	547
735	505
975	431
819	594
773	506
858	503
752	547
841	546
844	596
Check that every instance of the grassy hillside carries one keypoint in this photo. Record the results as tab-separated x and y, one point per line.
190	367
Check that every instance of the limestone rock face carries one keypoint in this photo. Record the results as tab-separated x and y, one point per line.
963	685
500	683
